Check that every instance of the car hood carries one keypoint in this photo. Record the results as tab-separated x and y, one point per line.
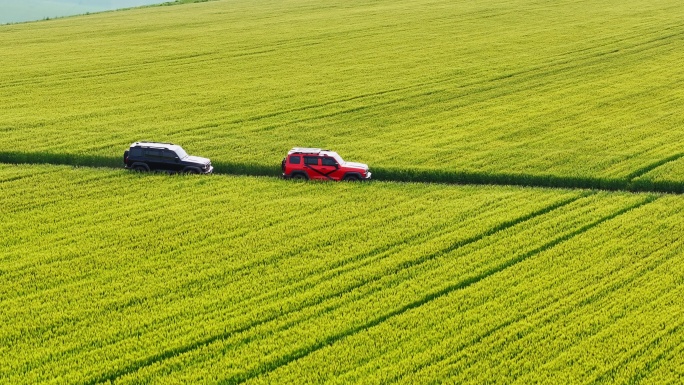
356	165
196	159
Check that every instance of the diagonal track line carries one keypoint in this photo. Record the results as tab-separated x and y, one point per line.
136	366
301	353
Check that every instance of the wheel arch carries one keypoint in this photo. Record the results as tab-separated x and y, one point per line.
295	174
352	174
192	170
140	164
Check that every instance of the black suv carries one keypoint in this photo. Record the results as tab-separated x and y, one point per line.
151	156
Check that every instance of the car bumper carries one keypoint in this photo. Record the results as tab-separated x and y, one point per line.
209	170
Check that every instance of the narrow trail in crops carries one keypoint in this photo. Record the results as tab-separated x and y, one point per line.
629	183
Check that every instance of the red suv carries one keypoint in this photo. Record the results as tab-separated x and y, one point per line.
314	163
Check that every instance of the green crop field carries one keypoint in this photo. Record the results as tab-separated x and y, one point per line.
574	93
111	276
577	276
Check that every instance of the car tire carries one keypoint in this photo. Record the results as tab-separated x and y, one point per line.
351	178
140	168
299	176
191	170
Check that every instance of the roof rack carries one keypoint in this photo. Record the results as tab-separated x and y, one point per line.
144	141
305	150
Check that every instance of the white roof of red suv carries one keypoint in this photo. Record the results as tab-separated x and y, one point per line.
304	150
313	151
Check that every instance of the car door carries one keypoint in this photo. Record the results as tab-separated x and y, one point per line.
171	161
330	168
312	167
153	158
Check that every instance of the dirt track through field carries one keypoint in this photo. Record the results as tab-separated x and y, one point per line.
629	183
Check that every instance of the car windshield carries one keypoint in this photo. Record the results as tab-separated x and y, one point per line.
338	158
181	153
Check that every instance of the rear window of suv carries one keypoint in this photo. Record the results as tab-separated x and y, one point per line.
295	159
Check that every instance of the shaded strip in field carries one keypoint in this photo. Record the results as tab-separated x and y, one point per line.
18	157
136	366
301	353
392	174
471	177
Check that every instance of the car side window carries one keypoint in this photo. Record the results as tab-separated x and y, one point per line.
169	155
136	152
295	159
328	161
152	153
311	160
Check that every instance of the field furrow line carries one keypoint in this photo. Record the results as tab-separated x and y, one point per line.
317	301
301	353
640	351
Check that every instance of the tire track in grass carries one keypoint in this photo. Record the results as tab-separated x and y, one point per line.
636	352
647	367
19	177
545	319
535	71
657	361
481	87
137	365
344	266
434	231
650	167
85	281
60	77
154	205
397	269
648	185
316	302
301	353
409	264
590	296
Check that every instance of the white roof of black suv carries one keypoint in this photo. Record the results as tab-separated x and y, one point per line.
160	145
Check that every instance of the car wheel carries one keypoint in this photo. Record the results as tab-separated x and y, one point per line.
351	178
299	176
191	171
140	168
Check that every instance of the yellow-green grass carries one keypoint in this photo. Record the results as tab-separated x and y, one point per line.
115	276
584	93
